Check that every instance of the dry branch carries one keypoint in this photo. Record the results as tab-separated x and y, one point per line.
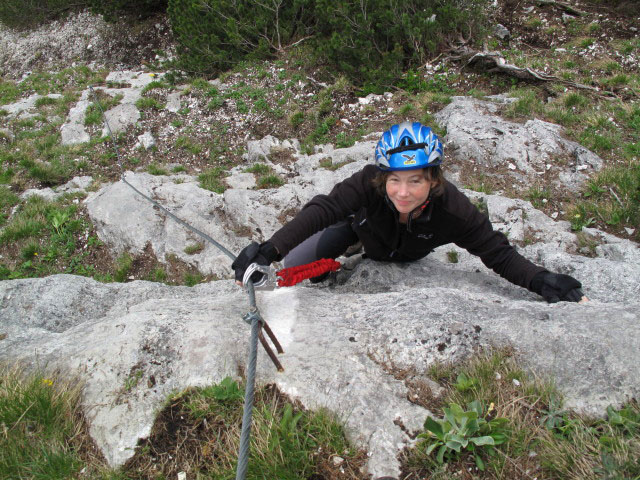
493	62
562	6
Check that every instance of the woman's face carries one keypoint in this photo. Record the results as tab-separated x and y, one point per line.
407	189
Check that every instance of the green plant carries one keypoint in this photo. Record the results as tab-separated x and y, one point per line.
58	219
154	169
8	199
270	181
258	169
586	42
383	41
158	274
575	100
328	164
132	380
192	279
212	179
194	248
154	85
148	103
214	35
112	9
123	267
464	383
463	430
538	196
38	414
452	256
29	13
527	103
296	119
626	419
554	416
188	144
101	103
45	101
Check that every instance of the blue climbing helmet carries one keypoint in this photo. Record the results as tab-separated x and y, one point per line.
407	146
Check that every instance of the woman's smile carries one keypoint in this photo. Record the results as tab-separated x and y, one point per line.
407	189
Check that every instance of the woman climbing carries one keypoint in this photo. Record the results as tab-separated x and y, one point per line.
400	209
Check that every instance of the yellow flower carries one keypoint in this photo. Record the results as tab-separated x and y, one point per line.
47	382
491	407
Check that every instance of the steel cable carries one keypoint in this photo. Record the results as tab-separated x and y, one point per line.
253	317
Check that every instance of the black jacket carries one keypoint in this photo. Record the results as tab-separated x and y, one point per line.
448	218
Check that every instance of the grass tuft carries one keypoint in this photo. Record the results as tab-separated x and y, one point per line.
39	416
541	439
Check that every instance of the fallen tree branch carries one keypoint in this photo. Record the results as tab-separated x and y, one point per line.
494	62
563	6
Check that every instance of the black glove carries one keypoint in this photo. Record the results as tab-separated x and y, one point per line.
262	254
556	287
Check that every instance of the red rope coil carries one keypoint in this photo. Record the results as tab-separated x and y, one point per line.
293	275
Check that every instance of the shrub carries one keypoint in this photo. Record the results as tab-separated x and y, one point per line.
28	13
111	9
371	42
213	35
374	42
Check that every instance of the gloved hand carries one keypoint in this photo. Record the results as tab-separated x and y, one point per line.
556	287
262	254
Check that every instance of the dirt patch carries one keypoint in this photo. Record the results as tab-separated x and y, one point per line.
182	442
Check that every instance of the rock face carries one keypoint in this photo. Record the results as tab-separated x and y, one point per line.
339	340
128	222
340	337
529	153
133	344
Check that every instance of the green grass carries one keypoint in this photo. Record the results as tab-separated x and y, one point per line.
154	169
194	248
286	442
538	196
258	169
527	104
123	266
46	235
188	144
270	181
212	179
155	85
611	196
95	112
40	424
566	445
149	103
8	200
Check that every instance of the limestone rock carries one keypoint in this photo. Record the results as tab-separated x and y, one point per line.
76	184
73	131
146	141
477	134
337	340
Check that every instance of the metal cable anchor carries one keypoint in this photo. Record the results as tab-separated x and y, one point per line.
249	317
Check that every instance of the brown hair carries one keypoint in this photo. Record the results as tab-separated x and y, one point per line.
432	174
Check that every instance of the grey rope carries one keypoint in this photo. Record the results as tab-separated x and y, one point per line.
253	317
